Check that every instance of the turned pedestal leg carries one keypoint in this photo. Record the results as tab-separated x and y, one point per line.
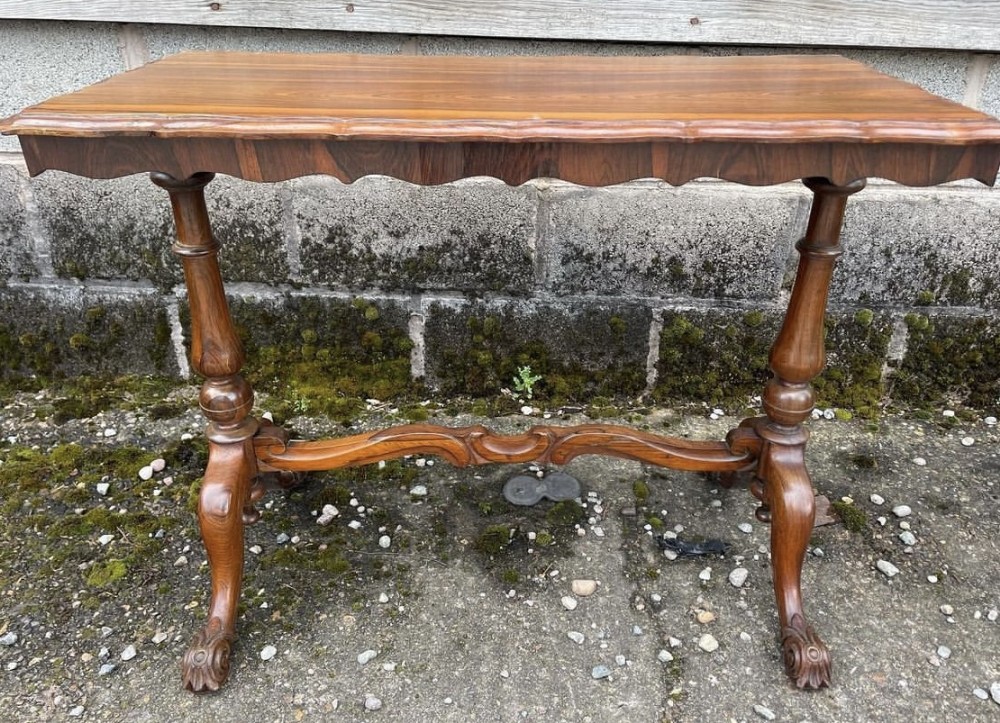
796	358
226	400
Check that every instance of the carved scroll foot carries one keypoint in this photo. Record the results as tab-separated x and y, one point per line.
205	666
807	661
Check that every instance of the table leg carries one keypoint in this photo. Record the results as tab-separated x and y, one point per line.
796	358
226	400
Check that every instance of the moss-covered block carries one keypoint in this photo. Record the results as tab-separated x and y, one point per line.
720	357
579	350
71	330
15	248
709	241
248	221
108	229
949	360
920	247
325	355
382	233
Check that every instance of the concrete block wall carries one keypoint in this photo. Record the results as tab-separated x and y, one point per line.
584	284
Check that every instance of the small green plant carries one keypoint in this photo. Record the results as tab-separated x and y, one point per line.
524	382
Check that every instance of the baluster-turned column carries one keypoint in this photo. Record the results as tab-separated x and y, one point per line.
798	355
226	400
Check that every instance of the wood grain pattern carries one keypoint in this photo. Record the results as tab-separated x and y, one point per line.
792	99
463	446
955	24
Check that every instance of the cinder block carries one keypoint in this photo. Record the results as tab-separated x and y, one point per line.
580	349
162	40
913	247
719	358
15	246
469	236
712	240
949	360
73	330
990	98
123	228
41	59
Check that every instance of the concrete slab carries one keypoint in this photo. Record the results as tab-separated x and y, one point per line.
16	250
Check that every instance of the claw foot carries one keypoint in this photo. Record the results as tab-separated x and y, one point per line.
206	663
807	661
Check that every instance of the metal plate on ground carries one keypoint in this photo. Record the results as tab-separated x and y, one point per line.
527	489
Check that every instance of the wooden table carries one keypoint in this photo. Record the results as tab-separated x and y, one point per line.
429	120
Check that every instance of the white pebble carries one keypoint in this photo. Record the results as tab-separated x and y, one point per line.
948	413
620	660
569	603
383	598
887	568
764	712
902	511
8	639
418	491
576	637
76	712
705	574
159	638
158	464
990	421
708	643
420	461
674	642
920	461
932	579
181	561
664	656
146	473
385	542
389	667
354	525
980	693
584	588
907	538
599	531
526	410
968	441
992	615
268	652
102	488
366	657
738	576
128	653
829	414
745	637
745	527
105	539
372	703
995	693
877	499
944	652
110	432
904	525
718	412
186	436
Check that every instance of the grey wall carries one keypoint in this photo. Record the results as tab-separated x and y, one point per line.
539	249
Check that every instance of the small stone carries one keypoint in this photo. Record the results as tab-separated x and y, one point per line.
708	643
992	615
745	527
76	712
598	531
715	503
366	657
636	630
907	538
8	639
146	473
948	413
620	661
159	638
947	610
902	511
990	421
385	542
968	441
418	491
584	588
995	693
877	499
526	410
158	464
745	637
887	568
327	515
268	652
674	642
12	665
383	598
818	552
944	652
664	656
389	667
372	703
106	669
354	525
181	561
738	576
102	488
600	671
576	637
904	525
764	712
932	579
829	414
980	693
128	653
569	603
256	549
110	432
105	539
705	617
705	575
86	657
920	461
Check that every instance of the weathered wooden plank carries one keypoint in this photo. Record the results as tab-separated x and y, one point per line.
945	24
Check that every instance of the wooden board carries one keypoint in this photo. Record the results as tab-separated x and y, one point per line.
945	24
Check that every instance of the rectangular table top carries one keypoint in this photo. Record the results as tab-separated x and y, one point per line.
758	99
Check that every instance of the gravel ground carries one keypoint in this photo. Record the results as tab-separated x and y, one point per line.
467	625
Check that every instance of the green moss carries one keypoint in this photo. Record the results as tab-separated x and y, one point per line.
510	576
641	491
543	539
854	518
493	540
565	514
864	461
104	574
